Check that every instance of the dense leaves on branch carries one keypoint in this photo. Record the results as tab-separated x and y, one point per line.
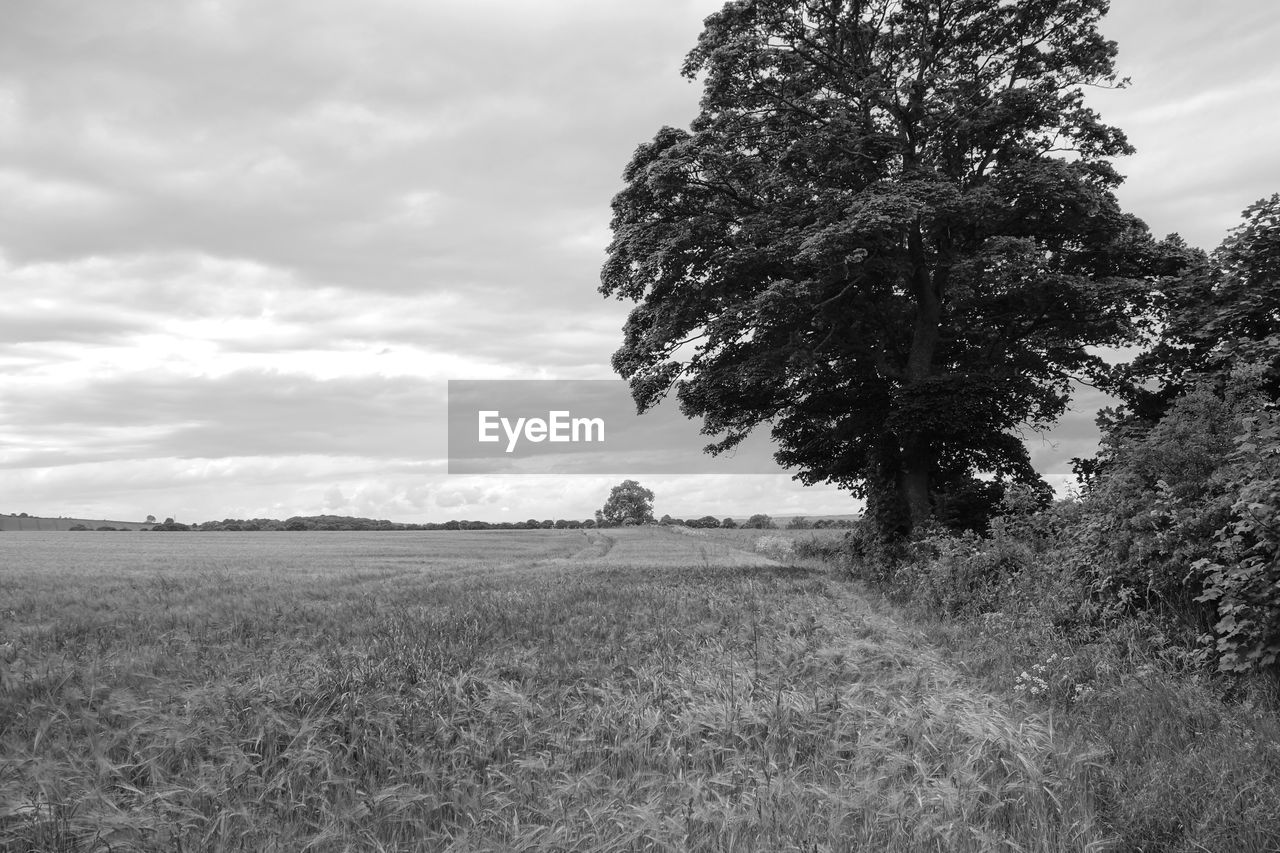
890	234
1176	536
1185	495
1220	313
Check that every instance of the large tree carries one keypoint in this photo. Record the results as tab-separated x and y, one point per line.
889	233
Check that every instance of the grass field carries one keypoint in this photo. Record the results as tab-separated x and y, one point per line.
525	690
30	523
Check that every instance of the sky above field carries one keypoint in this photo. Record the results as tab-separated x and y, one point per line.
244	245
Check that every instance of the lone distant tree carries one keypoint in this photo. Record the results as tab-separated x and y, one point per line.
890	235
628	501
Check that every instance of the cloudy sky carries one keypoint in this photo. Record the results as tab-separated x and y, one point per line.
244	245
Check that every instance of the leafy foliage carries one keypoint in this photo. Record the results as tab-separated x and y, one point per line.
1184	511
1183	758
1242	577
869	240
1154	510
1179	525
1183	520
1218	312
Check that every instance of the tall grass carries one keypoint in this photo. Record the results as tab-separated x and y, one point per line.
1187	760
629	691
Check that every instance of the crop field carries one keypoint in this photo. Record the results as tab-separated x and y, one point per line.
628	689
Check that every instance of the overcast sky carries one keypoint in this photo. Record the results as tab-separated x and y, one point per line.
244	245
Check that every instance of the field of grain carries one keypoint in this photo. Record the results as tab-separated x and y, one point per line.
519	690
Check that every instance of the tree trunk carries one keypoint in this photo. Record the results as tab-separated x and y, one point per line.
917	455
913	481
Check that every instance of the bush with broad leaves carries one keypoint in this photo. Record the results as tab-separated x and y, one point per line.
1242	577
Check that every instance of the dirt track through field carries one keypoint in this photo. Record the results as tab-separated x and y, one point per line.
650	546
937	762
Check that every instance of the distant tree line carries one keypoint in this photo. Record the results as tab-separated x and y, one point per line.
628	504
344	522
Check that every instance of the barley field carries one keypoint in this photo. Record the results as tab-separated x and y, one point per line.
620	690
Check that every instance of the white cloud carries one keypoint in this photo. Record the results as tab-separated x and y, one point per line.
1201	74
230	221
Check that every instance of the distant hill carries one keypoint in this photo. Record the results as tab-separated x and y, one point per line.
17	522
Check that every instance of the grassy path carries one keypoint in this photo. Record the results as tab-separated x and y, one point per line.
635	691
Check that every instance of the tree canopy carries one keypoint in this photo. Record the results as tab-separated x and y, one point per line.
628	502
1222	312
889	234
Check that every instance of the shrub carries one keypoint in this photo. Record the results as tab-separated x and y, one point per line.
776	547
963	574
1151	513
1183	520
814	548
871	556
1242	576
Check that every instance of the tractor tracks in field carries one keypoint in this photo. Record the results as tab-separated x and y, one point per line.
595	546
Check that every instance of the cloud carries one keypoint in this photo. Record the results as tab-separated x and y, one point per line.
197	489
244	244
1200	75
293	135
196	315
238	415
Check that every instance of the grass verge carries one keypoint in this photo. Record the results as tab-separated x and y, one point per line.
1187	760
